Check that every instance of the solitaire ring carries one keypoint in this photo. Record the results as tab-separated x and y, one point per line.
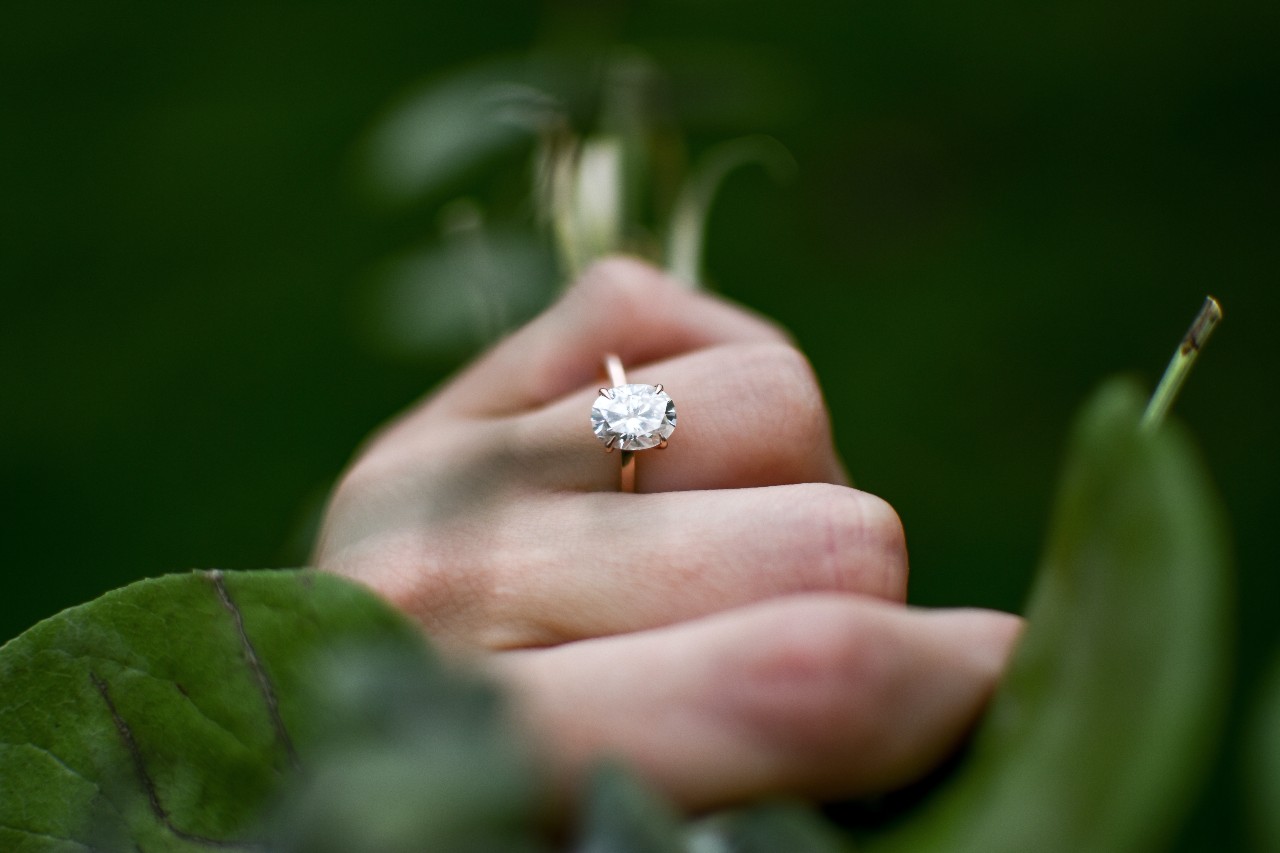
631	418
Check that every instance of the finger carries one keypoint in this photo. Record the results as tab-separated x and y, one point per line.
747	415
620	306
822	696
632	562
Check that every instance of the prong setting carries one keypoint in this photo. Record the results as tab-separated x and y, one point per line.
633	417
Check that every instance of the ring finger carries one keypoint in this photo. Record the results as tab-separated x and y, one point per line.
748	415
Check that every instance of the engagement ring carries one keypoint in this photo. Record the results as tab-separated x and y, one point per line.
631	418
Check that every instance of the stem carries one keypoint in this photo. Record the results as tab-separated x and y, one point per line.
1180	365
687	227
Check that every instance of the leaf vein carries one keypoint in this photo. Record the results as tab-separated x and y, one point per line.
34	834
57	759
144	777
265	687
126	667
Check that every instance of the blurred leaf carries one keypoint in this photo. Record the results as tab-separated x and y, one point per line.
634	113
461	294
165	714
768	828
587	201
623	815
1101	731
457	122
414	757
1263	759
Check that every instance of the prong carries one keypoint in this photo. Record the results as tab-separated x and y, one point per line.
606	392
608	445
662	444
658	388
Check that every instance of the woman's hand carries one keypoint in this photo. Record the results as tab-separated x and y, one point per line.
735	628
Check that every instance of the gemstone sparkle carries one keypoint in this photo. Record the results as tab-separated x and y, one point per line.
633	417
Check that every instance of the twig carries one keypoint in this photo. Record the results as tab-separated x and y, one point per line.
1180	365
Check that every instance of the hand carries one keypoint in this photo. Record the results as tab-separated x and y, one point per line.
735	628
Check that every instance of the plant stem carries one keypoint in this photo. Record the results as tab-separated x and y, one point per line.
687	227
1180	365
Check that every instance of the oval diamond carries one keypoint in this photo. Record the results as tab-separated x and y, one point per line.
633	417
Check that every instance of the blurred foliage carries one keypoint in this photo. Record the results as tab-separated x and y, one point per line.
765	828
292	711
607	173
413	756
623	815
167	714
994	205
1102	729
305	694
1262	755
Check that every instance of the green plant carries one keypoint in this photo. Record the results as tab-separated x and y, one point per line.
173	713
604	168
290	710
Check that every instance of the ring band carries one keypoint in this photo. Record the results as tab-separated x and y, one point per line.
618	378
631	418
613	368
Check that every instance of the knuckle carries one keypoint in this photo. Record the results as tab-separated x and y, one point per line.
856	541
420	554
789	379
434	589
511	614
415	575
882	530
619	284
356	487
782	360
518	601
821	684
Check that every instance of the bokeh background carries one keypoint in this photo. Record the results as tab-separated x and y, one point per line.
996	205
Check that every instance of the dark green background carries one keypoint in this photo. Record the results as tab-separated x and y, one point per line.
998	204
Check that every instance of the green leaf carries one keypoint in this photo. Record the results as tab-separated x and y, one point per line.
460	294
1101	731
452	124
588	213
164	715
623	815
416	757
1263	762
768	828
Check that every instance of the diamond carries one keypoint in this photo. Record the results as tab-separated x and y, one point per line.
633	417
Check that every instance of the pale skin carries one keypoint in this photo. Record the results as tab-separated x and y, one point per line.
736	628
